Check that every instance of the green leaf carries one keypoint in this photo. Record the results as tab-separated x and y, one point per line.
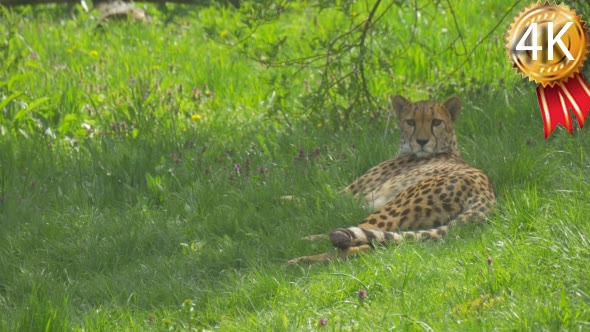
22	113
8	99
262	143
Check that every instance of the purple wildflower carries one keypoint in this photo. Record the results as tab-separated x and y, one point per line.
362	294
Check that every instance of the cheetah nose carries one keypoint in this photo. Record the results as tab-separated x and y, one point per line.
422	142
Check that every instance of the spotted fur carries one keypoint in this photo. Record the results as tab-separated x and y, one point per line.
422	192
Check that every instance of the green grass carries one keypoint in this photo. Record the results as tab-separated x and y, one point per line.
121	211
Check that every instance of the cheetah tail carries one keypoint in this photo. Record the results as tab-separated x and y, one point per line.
344	238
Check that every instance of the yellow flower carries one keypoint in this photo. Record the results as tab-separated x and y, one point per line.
196	117
223	33
94	53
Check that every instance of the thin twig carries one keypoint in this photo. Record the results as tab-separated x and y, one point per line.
479	43
363	50
457	27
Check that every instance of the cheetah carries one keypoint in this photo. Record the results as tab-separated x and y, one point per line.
419	194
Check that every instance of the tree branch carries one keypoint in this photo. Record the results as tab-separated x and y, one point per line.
362	48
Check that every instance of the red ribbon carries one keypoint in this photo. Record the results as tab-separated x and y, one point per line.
555	103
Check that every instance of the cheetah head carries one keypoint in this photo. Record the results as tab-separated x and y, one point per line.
427	127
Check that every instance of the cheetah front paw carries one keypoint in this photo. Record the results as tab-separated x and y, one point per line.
317	237
325	257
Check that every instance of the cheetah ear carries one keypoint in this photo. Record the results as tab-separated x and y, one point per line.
453	105
399	103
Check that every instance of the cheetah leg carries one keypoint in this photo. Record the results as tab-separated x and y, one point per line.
476	212
317	237
415	213
330	256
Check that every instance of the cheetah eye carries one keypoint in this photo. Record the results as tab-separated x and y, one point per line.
411	123
436	122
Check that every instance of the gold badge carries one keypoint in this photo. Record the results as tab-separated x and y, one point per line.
553	43
548	43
